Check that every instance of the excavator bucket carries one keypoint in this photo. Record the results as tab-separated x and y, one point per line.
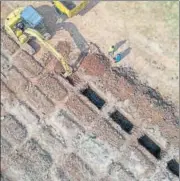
70	8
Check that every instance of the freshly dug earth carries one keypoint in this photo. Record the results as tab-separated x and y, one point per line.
52	63
124	84
64	48
52	88
48	57
95	64
139	99
170	110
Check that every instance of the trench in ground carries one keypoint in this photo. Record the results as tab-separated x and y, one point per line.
173	166
125	124
93	97
150	145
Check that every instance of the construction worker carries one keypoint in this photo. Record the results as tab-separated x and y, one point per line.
111	51
117	58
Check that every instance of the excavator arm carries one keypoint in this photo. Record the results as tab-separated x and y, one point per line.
42	41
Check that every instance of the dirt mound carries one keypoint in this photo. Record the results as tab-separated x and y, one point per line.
95	64
152	94
64	48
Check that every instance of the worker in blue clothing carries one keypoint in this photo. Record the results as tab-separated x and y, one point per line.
117	58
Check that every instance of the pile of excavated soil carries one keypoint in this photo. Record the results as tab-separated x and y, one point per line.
59	68
52	88
64	48
95	64
152	95
47	57
124	84
118	86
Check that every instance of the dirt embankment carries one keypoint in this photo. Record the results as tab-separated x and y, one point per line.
153	95
124	83
64	48
95	64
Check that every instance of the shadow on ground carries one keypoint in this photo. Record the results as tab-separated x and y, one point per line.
90	5
51	17
34	44
119	44
125	52
79	40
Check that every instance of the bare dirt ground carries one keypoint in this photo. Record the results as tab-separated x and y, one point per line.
149	28
51	131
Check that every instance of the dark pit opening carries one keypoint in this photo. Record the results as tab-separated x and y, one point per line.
125	124
93	97
150	145
173	166
71	81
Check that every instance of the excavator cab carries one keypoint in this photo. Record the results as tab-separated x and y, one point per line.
27	17
14	27
34	20
24	23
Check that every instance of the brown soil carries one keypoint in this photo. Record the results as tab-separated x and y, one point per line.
27	64
64	48
51	87
95	64
52	63
125	85
58	68
118	86
149	95
46	58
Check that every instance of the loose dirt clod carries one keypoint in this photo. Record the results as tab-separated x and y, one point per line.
95	64
151	94
64	48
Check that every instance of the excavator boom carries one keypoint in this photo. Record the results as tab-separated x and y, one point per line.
15	17
40	38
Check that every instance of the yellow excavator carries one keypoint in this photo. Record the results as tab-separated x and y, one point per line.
24	23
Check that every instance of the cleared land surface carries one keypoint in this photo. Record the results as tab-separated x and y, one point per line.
52	131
